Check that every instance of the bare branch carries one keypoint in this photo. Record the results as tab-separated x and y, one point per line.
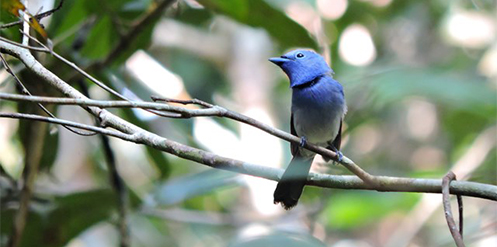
457	235
389	184
40	49
184	102
59	121
214	110
26	91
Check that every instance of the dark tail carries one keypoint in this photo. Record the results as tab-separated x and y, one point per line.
292	182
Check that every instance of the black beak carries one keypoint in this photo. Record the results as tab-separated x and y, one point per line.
279	60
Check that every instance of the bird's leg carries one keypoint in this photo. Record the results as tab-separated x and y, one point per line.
339	154
303	141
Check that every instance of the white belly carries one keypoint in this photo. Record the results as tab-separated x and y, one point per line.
318	127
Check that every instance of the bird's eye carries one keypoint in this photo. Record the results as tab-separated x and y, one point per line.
300	55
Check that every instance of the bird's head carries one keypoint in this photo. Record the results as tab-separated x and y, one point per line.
302	66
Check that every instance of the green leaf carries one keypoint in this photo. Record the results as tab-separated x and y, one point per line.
101	39
71	13
258	13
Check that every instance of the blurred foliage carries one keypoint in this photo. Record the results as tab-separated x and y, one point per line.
278	239
64	218
444	76
257	13
346	211
182	188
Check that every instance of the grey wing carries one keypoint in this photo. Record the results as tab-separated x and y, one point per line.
338	139
335	144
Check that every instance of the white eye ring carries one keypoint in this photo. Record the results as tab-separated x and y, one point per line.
300	55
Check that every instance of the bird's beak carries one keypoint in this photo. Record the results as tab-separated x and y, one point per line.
279	60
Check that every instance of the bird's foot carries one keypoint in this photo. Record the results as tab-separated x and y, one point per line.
339	156
303	141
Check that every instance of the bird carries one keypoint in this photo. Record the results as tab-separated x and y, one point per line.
317	112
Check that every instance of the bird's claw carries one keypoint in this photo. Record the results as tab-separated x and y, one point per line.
339	156
303	141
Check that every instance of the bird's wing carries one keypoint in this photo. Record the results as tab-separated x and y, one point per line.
294	147
338	139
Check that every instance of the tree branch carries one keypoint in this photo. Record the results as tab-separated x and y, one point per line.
25	91
457	235
389	184
59	121
212	111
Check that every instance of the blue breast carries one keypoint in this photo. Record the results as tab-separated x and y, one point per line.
318	109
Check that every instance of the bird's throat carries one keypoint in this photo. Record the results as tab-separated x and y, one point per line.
308	83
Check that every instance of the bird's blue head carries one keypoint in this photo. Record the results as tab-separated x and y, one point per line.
302	66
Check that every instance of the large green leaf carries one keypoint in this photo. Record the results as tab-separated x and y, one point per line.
258	13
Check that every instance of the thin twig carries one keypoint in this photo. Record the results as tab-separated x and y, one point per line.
180	101
457	235
38	17
24	46
24	90
59	121
25	25
461	218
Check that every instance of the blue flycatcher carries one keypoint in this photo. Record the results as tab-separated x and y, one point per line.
318	109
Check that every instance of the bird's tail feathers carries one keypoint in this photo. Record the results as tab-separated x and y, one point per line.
291	184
